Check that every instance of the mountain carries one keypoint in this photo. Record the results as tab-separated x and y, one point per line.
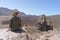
6	12
30	19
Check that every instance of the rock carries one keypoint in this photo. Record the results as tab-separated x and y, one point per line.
49	35
8	35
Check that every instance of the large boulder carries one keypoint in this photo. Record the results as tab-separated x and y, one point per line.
8	35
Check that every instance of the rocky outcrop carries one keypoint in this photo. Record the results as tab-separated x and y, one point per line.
49	35
8	35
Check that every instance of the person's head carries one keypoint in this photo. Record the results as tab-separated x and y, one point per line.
15	14
43	16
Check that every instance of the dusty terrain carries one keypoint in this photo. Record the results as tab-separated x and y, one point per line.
32	31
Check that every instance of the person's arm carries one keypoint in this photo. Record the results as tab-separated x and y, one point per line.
10	26
20	22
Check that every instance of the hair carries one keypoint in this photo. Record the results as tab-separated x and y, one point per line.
15	13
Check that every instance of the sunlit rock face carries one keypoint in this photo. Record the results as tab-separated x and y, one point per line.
8	35
45	35
49	35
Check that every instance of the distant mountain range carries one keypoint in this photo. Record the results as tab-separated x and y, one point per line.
6	12
31	19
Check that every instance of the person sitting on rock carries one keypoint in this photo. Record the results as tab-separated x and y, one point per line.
15	22
42	23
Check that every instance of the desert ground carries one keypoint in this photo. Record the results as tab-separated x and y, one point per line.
32	32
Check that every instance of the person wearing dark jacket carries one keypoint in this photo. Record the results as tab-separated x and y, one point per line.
42	23
15	22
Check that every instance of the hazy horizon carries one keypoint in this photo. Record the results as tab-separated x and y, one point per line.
33	7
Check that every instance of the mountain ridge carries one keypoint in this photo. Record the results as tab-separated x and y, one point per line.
32	19
7	12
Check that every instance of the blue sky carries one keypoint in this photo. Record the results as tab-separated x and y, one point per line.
33	7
